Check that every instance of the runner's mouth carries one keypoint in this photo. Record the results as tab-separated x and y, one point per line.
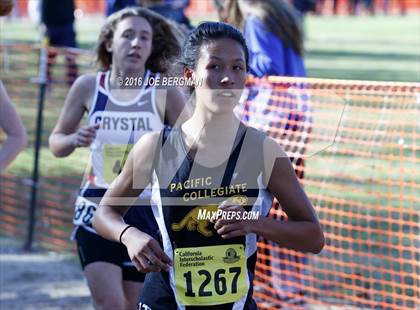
135	56
226	94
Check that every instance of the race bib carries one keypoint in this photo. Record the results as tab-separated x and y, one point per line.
211	275
84	211
114	157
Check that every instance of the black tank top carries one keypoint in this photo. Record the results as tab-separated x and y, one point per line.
208	270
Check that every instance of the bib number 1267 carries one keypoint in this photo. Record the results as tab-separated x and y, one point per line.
210	275
220	285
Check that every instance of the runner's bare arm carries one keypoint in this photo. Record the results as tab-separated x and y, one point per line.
144	251
67	135
302	231
11	124
126	187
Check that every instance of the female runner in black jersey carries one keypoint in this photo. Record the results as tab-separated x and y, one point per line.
211	165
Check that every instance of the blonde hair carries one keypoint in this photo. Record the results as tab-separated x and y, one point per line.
165	42
233	14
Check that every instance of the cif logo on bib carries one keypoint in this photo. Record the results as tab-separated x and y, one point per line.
192	221
231	256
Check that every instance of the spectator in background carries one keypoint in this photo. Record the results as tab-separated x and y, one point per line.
304	6
354	7
171	9
402	6
113	6
58	19
320	7
10	122
273	33
34	12
370	6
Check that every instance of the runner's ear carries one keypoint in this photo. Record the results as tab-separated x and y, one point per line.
108	46
188	73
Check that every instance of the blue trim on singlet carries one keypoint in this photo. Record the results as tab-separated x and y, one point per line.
92	192
100	104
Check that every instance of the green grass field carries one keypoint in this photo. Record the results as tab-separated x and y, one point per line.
383	48
364	48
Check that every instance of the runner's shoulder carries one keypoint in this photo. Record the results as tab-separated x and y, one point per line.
273	149
86	81
83	89
85	84
146	145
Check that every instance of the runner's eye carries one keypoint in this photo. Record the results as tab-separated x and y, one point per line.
127	34
214	66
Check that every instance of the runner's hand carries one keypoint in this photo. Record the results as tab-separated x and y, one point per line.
145	252
85	135
233	227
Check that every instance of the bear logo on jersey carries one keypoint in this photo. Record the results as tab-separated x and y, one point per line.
192	222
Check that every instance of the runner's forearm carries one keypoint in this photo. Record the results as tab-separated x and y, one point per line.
62	145
108	222
303	236
10	149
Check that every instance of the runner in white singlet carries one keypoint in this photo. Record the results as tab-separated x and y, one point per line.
134	44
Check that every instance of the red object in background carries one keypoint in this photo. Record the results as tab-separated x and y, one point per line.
22	7
91	7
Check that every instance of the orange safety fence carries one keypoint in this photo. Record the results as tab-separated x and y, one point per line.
357	140
59	180
354	147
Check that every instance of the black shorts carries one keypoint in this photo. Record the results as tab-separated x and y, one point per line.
94	248
158	295
63	35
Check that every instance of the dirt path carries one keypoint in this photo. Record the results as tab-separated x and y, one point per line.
51	281
40	280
